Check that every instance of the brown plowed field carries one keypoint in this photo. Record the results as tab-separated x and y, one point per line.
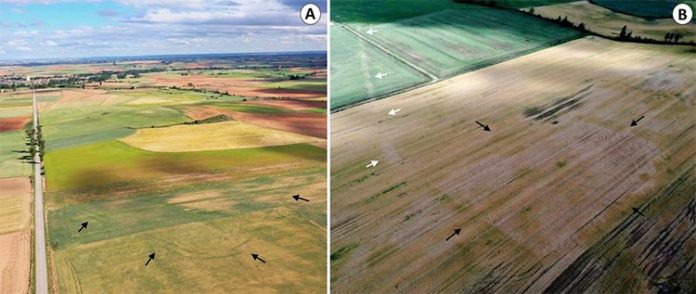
310	124
13	123
544	200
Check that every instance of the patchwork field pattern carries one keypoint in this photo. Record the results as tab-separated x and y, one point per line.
15	194
562	194
174	171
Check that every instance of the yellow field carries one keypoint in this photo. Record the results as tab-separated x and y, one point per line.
15	202
217	136
15	234
15	262
537	197
606	22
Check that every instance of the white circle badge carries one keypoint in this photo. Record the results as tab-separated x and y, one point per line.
310	14
682	14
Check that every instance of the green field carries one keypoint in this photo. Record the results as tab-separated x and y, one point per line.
298	85
443	38
453	41
173	96
200	250
365	11
12	143
66	127
216	208
102	167
354	65
10	164
250	108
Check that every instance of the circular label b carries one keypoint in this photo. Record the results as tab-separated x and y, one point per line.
682	14
310	14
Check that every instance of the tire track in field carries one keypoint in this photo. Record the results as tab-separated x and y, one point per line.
433	78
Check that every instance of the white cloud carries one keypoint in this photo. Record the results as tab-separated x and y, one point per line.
174	27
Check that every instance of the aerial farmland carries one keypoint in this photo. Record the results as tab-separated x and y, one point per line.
16	196
565	165
193	158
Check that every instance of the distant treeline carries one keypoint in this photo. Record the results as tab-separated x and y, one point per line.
624	35
295	59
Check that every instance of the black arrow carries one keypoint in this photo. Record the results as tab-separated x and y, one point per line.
256	257
83	226
298	198
636	210
456	232
151	257
485	127
635	121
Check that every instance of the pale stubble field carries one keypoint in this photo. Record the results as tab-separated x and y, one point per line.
538	195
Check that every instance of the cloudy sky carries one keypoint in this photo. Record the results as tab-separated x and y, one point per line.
32	29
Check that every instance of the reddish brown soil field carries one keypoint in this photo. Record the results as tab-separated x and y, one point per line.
310	124
300	123
13	123
294	105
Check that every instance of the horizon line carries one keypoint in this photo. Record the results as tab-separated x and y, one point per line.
5	62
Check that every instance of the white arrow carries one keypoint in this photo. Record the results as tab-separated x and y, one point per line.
373	163
380	75
394	111
371	31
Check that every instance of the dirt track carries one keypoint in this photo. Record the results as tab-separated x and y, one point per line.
13	123
533	195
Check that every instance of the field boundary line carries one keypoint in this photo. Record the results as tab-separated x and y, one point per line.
433	78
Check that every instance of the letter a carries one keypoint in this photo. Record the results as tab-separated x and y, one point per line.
310	13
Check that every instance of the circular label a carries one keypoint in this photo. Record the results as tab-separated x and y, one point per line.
310	14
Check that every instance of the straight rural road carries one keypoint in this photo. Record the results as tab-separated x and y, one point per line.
40	245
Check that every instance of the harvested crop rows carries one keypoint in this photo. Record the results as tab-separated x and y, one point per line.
545	200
